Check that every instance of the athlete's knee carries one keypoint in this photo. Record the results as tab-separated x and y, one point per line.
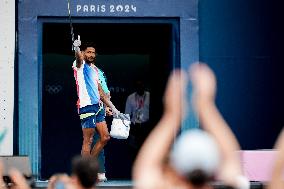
85	149
87	141
105	139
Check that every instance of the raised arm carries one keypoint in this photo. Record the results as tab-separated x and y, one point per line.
149	164
204	90
78	54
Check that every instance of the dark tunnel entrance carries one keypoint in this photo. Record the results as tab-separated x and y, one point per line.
126	52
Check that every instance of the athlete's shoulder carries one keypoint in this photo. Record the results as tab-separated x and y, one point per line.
74	64
132	95
100	71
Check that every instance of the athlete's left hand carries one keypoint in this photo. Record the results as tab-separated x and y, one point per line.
115	112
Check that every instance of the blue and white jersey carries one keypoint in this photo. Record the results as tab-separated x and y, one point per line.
87	79
103	81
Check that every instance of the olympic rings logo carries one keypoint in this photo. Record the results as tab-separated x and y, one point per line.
53	89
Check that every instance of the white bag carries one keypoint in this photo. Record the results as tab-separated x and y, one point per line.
120	126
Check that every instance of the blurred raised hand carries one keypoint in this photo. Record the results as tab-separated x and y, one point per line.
204	83
204	90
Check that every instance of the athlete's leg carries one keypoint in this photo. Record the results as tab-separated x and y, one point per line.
88	134
101	156
88	123
104	138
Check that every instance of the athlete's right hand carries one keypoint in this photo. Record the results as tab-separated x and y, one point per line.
77	42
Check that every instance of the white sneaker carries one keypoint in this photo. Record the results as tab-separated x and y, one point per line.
102	177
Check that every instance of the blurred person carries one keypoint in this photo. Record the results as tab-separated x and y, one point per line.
195	158
84	172
18	181
60	181
137	106
90	93
277	181
204	91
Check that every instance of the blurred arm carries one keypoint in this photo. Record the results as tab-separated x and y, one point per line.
78	54
204	84
276	181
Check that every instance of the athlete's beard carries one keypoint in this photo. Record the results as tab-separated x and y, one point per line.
88	61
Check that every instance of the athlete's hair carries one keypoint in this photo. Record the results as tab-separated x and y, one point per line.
87	44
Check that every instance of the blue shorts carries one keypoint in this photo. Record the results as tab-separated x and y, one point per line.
90	121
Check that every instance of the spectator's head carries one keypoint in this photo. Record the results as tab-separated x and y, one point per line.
60	181
195	157
85	170
139	87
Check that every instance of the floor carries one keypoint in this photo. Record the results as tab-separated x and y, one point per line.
128	184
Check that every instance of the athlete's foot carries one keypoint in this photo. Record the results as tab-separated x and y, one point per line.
102	177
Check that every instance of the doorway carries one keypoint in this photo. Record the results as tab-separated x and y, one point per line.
126	52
